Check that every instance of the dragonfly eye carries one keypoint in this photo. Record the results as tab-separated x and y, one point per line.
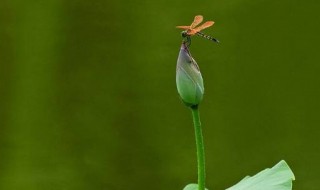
184	34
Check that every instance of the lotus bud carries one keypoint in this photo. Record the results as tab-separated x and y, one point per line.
188	78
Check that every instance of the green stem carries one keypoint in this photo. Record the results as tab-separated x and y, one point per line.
200	148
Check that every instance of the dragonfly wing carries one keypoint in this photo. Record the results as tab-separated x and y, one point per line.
183	27
203	26
197	20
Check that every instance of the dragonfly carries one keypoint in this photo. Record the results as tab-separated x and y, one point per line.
194	30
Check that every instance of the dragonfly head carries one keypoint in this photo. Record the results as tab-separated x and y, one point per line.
184	34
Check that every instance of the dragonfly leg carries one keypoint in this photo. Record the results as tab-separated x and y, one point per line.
187	41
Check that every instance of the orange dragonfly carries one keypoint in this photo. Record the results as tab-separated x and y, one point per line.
191	30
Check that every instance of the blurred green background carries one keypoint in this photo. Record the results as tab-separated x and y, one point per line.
88	97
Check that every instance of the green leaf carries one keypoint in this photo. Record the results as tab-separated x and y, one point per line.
279	177
191	187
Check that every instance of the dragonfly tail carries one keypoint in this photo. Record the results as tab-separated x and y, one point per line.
207	37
